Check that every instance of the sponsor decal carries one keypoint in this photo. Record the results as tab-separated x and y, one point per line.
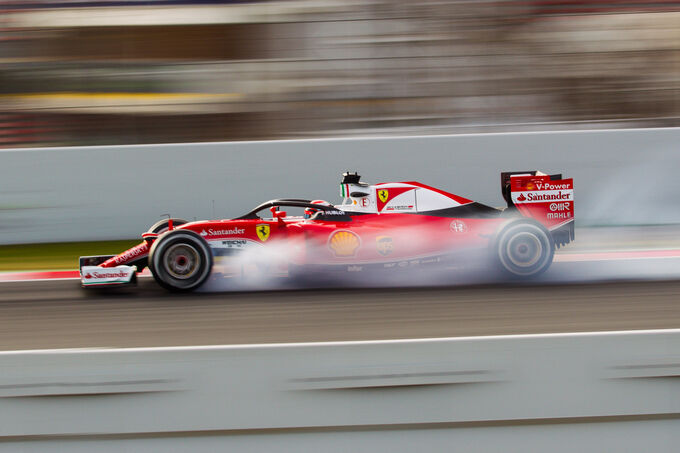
355	268
110	274
344	243
364	202
262	230
333	213
559	206
229	232
549	186
543	196
95	275
558	215
141	249
399	208
431	260
235	244
412	263
458	226
385	195
384	245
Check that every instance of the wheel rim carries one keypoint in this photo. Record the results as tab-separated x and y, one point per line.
182	261
524	250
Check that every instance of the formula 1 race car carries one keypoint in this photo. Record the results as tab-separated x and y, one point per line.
382	226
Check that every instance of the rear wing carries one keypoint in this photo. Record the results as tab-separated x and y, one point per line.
548	199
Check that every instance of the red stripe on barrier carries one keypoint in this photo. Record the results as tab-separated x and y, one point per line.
45	275
560	257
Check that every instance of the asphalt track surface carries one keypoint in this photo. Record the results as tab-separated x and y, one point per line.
572	297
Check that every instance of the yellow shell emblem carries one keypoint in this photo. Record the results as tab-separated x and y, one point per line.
262	231
344	243
383	194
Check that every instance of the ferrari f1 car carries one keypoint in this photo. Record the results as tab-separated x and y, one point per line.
384	226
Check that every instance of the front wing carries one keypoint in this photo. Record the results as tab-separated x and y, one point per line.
91	274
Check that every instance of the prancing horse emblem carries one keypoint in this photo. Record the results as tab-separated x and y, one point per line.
262	231
383	194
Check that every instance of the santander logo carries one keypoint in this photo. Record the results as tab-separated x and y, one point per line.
114	274
521	197
88	276
228	232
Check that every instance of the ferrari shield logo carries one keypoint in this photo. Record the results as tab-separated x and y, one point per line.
384	245
383	194
262	231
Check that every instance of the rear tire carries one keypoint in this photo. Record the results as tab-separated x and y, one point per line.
524	248
180	260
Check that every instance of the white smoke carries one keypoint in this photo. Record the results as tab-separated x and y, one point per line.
266	267
597	255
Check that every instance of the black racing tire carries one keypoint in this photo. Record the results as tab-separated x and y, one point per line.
162	225
180	260
159	227
523	248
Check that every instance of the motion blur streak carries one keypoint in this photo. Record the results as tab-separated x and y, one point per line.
47	315
179	71
55	314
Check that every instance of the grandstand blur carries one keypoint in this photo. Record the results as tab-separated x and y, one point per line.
115	72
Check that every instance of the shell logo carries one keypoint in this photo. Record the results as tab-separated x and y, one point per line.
344	243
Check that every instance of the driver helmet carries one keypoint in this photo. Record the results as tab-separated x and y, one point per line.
309	212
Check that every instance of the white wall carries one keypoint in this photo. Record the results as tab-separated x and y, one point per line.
569	392
64	194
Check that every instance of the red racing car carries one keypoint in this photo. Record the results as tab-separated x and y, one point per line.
377	226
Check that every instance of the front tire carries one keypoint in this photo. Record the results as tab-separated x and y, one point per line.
180	260
162	225
524	249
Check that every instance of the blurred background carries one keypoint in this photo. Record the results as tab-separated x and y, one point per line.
122	72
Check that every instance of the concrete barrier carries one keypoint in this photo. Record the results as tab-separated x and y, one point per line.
94	193
596	392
